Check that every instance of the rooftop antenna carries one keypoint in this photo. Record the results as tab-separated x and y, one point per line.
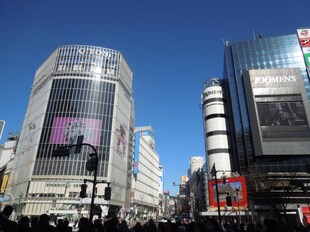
258	34
225	42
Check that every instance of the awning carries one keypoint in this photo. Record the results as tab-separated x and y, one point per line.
306	218
306	215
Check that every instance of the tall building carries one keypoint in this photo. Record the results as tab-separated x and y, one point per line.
78	90
265	78
147	175
215	127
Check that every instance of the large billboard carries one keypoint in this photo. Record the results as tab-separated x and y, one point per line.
235	187
278	111
67	129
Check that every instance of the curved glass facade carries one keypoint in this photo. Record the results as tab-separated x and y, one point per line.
263	53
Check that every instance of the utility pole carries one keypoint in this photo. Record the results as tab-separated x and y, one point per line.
213	172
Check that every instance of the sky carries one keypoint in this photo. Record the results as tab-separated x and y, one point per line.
171	46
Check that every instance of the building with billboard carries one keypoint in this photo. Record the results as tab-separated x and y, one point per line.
78	90
279	111
267	87
146	188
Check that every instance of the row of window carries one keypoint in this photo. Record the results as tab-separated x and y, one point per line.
92	107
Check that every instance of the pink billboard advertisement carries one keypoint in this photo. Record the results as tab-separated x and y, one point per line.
66	130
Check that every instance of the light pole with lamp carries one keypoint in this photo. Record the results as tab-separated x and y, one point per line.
213	173
91	165
237	194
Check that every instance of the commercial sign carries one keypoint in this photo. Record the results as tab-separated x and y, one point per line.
266	80
306	52
2	123
4	183
210	92
279	112
234	187
304	40
93	51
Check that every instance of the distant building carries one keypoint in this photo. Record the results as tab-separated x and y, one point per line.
7	153
78	90
196	188
147	175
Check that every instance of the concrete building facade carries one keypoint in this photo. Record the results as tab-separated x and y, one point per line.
78	90
147	176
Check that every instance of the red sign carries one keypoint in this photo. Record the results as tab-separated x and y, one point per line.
235	187
166	192
305	42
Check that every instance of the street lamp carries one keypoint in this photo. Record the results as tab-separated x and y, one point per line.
237	194
213	172
91	165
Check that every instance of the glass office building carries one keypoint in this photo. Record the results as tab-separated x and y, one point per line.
259	53
78	90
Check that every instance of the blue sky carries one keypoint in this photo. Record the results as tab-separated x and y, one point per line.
172	47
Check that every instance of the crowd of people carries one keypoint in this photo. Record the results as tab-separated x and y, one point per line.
114	224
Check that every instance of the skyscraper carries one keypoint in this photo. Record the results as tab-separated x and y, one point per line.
78	90
257	54
265	78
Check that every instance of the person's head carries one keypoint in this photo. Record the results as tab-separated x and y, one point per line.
151	221
44	218
24	220
66	222
34	221
84	222
60	221
8	210
270	225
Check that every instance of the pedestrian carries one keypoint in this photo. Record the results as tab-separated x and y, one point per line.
84	225
151	227
271	225
43	225
6	225
23	224
34	221
111	225
98	226
138	227
123	226
66	226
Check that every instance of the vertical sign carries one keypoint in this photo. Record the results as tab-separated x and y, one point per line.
2	123
304	41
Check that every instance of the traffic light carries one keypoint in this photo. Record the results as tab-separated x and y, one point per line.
83	193
107	193
61	151
228	200
91	164
224	180
79	142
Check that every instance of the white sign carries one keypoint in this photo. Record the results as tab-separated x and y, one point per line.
274	79
93	51
2	123
87	200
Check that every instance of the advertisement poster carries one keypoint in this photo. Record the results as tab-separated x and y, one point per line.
66	130
235	187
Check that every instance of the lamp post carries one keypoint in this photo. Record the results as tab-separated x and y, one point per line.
237	194
90	166
213	172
